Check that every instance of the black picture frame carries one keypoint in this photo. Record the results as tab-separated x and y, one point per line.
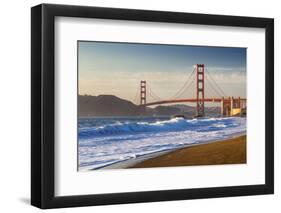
43	110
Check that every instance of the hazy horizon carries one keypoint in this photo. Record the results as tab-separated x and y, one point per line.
108	68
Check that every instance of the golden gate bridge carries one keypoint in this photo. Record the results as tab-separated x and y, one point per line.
229	105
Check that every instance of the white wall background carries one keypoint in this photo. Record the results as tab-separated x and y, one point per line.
15	105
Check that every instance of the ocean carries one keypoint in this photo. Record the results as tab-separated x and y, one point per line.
103	141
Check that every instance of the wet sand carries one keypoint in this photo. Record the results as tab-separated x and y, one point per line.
230	151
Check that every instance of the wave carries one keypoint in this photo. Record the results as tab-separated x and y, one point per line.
108	141
173	124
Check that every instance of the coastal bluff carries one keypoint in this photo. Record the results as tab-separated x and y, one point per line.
110	105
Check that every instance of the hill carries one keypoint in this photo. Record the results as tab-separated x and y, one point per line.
110	105
105	105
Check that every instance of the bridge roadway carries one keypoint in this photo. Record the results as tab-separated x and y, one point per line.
191	100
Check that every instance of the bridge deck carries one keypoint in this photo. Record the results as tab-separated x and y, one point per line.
191	100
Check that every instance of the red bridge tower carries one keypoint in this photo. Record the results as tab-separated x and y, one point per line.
142	92
200	90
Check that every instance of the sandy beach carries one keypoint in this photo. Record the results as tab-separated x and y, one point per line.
230	151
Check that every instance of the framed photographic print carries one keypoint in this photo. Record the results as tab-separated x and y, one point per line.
140	106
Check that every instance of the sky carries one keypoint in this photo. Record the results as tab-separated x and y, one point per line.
108	68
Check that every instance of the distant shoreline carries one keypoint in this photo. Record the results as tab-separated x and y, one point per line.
159	159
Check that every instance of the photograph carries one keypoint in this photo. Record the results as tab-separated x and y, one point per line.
144	105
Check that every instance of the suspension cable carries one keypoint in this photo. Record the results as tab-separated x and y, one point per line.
152	94
135	100
186	88
182	89
214	89
218	87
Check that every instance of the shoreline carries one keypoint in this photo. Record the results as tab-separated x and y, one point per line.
138	161
228	151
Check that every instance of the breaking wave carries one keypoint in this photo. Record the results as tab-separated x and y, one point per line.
173	124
